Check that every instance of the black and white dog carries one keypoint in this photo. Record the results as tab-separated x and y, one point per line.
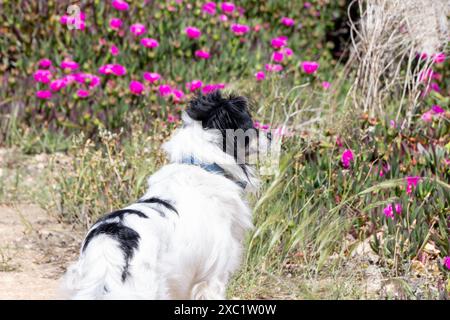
183	239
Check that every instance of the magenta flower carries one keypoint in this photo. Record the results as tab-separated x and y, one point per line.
202	54
44	94
309	67
239	29
277	56
45	63
136	87
427	116
273	67
447	262
437	109
58	84
115	69
411	182
150	43
194	85
279	42
439	58
172	118
164	90
287	51
223	18
209	8
389	210
425	75
120	5
86	78
138	29
114	50
307	5
212	87
69	64
227	7
260	75
346	158
42	76
82	93
151	77
115	23
193	32
178	95
326	85
288	22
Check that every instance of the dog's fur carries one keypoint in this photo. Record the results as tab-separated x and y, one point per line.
183	239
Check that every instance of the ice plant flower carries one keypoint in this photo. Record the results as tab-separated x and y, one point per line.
42	76
273	67
178	95
138	29
193	32
260	75
326	85
447	262
307	5
279	42
172	118
239	29
287	51
209	8
45	63
346	158
427	116
136	87
202	54
439	58
151	77
223	18
194	85
82	93
150	43
120	5
44	94
115	69
58	84
164	90
277	56
389	210
114	50
212	87
288	22
69	64
309	67
411	181
437	109
115	23
227	7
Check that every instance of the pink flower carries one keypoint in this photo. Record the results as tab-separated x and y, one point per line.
209	8
223	18
309	67
136	87
194	85
212	87
44	94
178	95
115	69
45	63
439	58
437	109
69	64
227	7
273	67
389	210
239	29
193	32
411	182
115	23
424	75
172	118
202	54
339	142
86	78
256	124
58	84
114	50
138	29
150	43
288	22
279	42
326	85
265	127
82	93
346	158
287	51
427	116
164	90
447	262
260	75
435	87
151	77
42	76
307	5
120	5
277	56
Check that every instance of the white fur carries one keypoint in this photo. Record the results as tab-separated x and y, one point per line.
187	256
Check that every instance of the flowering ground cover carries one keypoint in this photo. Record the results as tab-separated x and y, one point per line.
107	84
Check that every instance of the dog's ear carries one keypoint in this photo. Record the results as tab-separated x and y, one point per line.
218	112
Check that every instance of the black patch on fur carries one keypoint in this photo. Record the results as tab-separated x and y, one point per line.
161	202
121	213
221	113
127	238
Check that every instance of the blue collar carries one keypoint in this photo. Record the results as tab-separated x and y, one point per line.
211	167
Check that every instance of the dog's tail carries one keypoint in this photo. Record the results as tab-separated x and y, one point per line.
97	273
